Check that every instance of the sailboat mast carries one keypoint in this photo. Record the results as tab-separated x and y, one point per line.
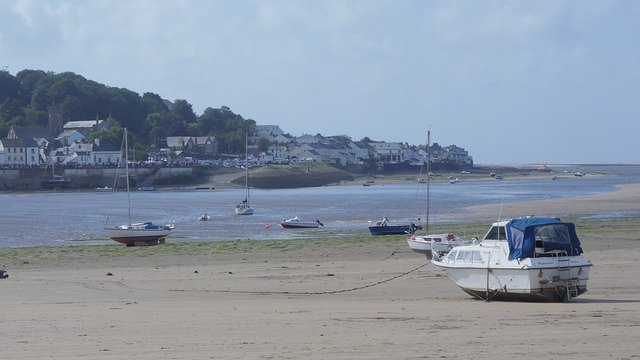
246	165
126	166
428	177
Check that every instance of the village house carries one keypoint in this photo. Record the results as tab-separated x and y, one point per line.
20	151
87	127
391	152
268	132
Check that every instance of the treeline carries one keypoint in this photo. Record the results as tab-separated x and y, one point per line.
25	98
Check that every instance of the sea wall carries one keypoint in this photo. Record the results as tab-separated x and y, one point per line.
31	179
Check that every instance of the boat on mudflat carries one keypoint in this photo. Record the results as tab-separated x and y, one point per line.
441	244
529	258
140	233
296	222
384	227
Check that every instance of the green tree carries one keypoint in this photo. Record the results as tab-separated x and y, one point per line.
153	103
184	110
263	144
9	86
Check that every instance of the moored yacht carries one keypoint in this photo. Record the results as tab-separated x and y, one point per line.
530	258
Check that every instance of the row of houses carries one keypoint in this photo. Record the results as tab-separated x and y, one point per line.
342	151
34	147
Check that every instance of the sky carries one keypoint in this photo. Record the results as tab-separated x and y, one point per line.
512	82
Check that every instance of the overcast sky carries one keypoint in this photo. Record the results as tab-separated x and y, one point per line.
513	82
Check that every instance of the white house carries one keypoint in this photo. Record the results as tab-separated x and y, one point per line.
389	151
105	154
268	131
20	151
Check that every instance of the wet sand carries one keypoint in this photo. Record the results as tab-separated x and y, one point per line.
332	300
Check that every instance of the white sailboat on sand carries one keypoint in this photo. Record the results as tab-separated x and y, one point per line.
141	233
428	243
244	207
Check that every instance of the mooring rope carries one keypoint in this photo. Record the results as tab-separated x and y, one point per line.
267	292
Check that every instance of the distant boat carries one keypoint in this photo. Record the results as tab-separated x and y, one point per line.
244	207
104	189
147	188
296	222
204	217
383	227
141	233
56	181
578	173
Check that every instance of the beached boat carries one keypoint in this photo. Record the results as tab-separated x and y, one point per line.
438	243
384	227
296	222
427	244
244	207
141	233
530	258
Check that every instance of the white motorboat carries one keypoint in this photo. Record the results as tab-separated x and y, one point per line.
531	258
204	217
430	243
296	222
136	234
439	243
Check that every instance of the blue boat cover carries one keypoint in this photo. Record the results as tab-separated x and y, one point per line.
550	233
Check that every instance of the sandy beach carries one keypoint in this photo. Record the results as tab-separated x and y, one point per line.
313	299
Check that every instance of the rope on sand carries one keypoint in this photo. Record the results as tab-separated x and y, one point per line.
257	292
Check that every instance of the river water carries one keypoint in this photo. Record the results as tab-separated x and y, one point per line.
79	218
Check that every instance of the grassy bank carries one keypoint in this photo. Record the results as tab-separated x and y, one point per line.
91	256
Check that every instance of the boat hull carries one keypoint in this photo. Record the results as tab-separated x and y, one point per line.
244	211
393	229
138	237
527	282
299	225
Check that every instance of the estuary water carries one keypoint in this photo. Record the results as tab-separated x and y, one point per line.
79	218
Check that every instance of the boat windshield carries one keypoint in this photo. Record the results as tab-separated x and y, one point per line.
496	233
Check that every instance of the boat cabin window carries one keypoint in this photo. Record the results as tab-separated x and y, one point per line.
452	255
496	233
557	233
476	257
467	255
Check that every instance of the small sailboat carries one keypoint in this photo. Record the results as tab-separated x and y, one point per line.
244	207
428	244
56	181
141	233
